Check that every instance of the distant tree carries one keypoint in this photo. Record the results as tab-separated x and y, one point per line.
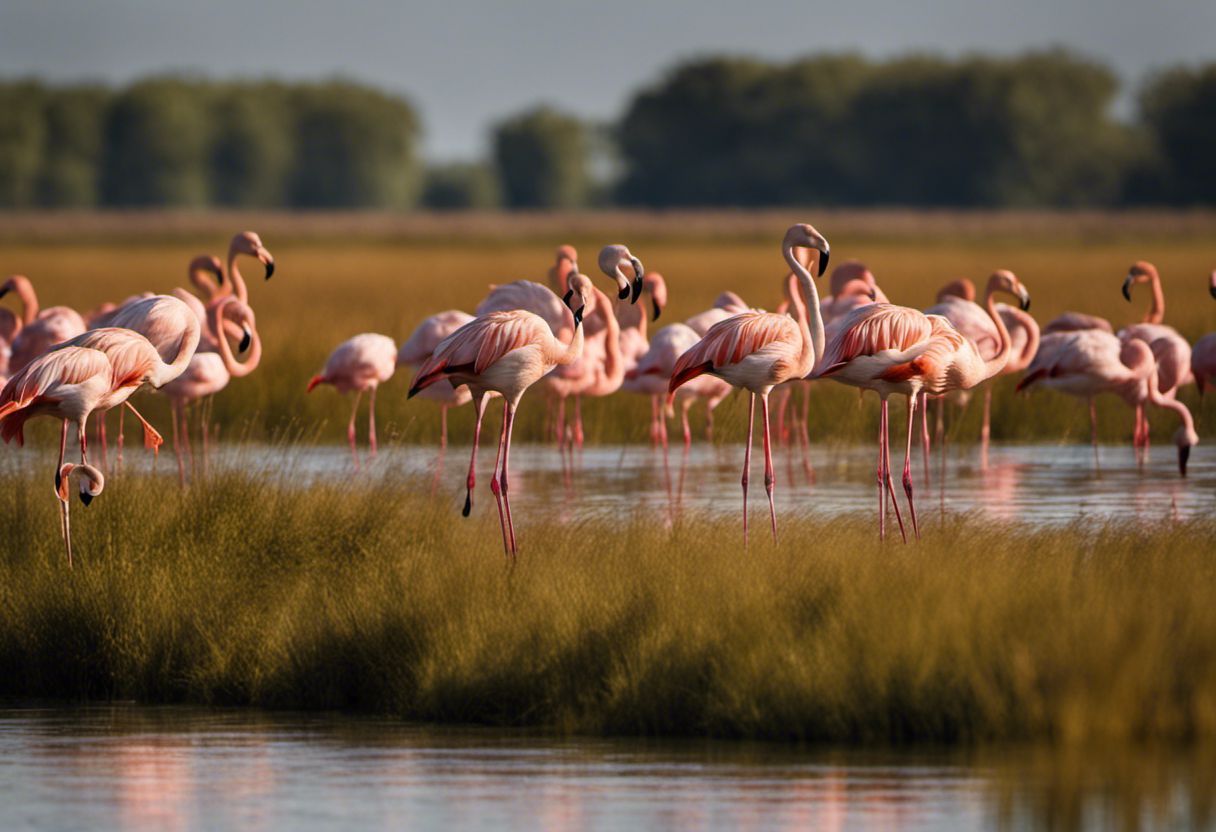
356	148
72	148
460	187
22	131
251	147
157	142
542	160
1179	109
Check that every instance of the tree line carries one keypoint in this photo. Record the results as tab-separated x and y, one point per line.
1032	130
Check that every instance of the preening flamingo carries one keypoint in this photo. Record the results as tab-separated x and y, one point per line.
209	372
41	328
894	349
359	365
421	345
1090	362
1203	356
503	352
759	350
92	483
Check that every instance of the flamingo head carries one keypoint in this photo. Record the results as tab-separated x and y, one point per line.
1185	438
208	263
242	315
580	297
13	283
961	288
612	260
568	253
846	273
250	244
1003	280
804	235
654	284
93	482
1141	271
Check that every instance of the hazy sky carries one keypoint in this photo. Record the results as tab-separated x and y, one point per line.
465	63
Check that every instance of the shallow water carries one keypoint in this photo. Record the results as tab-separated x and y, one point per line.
169	768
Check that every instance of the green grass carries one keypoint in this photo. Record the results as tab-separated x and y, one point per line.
357	595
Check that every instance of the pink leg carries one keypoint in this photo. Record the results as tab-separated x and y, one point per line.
986	427
350	429
924	433
443	427
83	433
496	485
886	464
654	421
783	404
506	477
879	477
908	466
63	451
561	422
684	406
578	421
371	421
186	436
121	413
480	406
747	456
105	445
804	437
1093	428
770	479
177	447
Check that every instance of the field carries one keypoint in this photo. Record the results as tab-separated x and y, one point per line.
343	274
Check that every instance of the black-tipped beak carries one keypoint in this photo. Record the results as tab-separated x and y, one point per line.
637	290
624	293
270	270
468	505
1211	289
824	256
873	294
86	497
413	392
1127	288
566	297
658	310
219	276
1184	454
1025	304
245	339
4	291
578	316
58	481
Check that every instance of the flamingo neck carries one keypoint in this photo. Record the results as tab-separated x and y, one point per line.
804	303
207	288
235	279
614	362
562	272
29	299
1033	337
574	350
998	362
1168	402
236	369
1156	312
165	373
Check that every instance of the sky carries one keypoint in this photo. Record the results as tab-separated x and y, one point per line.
467	63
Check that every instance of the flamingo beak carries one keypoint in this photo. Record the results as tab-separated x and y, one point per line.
4	290
658	310
824	255
566	297
1127	287
578	316
1184	454
219	276
1024	300
269	268
245	339
1211	289
637	278
873	295
86	497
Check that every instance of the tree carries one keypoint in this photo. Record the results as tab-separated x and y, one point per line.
251	149
72	146
22	128
542	160
461	186
1179	109
355	148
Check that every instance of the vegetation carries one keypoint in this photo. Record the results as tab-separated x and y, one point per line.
270	590
542	160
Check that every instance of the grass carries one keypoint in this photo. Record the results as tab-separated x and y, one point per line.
358	595
342	274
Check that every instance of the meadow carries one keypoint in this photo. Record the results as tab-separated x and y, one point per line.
342	274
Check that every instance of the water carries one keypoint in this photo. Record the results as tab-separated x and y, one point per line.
1036	484
172	768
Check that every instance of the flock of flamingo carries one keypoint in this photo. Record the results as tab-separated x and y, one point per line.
571	339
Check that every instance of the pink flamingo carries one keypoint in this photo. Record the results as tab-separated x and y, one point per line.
209	372
92	483
758	350
1203	356
1090	362
506	353
894	349
635	344
249	244
1076	322
726	305
559	273
421	345
1171	351
359	365
600	371
653	372
41	328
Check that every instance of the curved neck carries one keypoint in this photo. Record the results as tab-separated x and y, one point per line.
1033	336
998	362
808	303
574	350
1156	312
234	277
165	373
1168	402
614	362
207	288
236	369
29	299
561	276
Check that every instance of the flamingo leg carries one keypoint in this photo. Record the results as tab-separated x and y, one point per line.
205	430
65	528
509	415
82	433
177	448
443	427
496	486
350	429
186	436
371	421
578	421
120	439
986	427
804	436
1093	428
684	407
63	506
654	421
747	457
561	422
102	440
908	465
770	479
152	438
480	405
882	495
885	479
924	434
783	404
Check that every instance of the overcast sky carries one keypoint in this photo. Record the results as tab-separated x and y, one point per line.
466	63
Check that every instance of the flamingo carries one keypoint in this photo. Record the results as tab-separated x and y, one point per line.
600	371
209	372
359	365
1203	356
1091	362
653	372
1171	350
92	483
249	244
758	350
726	305
635	344
566	264
41	328
1076	322
894	349
421	345
503	352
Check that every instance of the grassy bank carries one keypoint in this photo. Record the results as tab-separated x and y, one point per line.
359	596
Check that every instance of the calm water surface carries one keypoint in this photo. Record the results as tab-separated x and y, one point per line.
130	767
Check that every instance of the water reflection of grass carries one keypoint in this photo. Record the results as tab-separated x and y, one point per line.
358	595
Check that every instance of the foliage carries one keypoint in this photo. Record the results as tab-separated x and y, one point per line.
542	160
460	187
1179	108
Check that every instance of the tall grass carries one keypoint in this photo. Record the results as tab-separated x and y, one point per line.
357	595
341	275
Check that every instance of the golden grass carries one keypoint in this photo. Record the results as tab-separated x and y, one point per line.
250	589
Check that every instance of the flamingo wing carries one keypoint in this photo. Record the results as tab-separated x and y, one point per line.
874	328
428	335
480	343
729	342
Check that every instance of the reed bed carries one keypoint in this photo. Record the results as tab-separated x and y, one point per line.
251	589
